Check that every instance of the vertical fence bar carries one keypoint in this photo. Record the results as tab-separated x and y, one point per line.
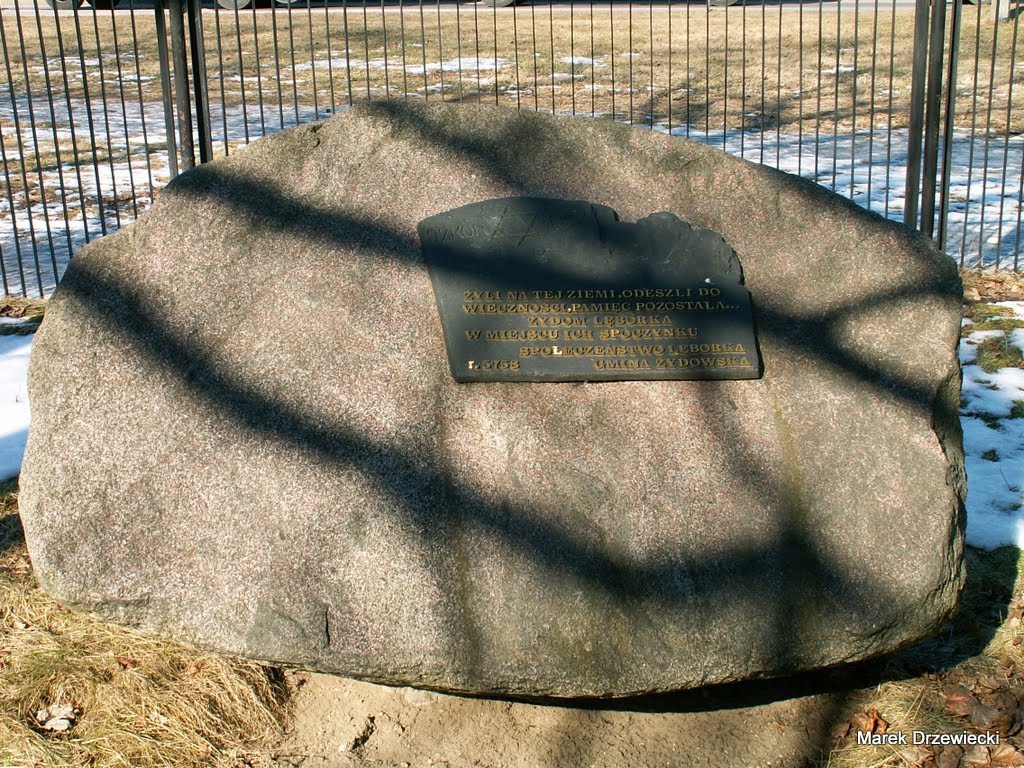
853	99
593	65
476	36
985	154
221	77
313	59
778	95
330	53
291	55
124	115
974	125
611	52
817	116
106	119
241	75
689	72
3	274
1007	132
629	56
835	97
871	111
671	93
181	96
1020	209
19	256
744	122
423	56
949	125
405	70
384	35
917	94
494	26
90	121
889	121
259	70
933	96
277	61
142	105
764	48
533	47
800	88
725	80
551	41
165	87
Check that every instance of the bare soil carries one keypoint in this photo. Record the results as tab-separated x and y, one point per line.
346	723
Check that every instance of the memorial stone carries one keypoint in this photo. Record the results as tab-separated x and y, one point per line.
248	432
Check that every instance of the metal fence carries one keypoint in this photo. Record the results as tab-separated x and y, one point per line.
911	112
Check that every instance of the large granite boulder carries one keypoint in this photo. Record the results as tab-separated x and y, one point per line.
245	434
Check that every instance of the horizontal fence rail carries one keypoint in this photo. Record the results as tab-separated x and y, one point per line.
822	89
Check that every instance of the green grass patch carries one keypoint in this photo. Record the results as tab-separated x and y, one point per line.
996	354
990	317
1005	324
993	324
984	310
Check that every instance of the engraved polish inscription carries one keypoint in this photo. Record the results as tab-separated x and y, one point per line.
536	289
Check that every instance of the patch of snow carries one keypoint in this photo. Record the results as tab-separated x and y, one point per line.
465	64
14	410
583	60
994	458
992	394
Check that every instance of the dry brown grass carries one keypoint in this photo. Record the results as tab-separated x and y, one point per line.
992	285
983	650
141	701
11	306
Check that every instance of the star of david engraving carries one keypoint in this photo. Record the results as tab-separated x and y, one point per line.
514	225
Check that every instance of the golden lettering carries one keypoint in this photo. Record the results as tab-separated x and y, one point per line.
622	365
590	295
516	334
685	306
649	333
703	362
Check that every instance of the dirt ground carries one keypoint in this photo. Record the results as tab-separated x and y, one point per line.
346	724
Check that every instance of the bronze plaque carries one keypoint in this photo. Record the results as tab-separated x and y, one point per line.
535	289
